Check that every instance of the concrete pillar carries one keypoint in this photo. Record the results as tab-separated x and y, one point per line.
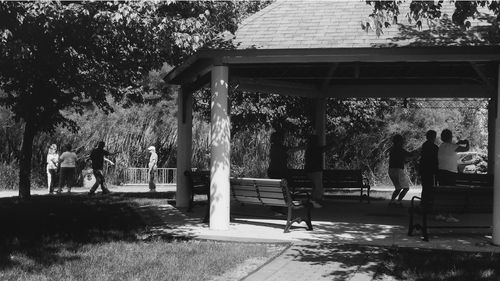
220	150
496	185
184	146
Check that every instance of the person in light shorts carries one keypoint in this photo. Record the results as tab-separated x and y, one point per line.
397	158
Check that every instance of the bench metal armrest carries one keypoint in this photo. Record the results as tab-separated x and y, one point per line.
300	193
413	200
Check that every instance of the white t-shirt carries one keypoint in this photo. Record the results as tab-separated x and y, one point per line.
448	157
152	160
52	159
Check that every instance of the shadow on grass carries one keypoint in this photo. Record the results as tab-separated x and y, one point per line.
43	226
401	263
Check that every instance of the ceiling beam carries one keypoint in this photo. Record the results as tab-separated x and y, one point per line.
364	91
276	87
409	90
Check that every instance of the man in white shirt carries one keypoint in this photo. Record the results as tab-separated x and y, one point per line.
152	166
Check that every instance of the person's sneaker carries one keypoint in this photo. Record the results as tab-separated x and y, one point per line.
451	219
152	190
106	191
91	194
392	204
440	217
316	205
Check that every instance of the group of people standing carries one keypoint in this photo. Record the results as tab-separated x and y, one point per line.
93	173
66	164
438	165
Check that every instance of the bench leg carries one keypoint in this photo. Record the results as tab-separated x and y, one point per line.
410	226
288	220
191	203
424	227
308	218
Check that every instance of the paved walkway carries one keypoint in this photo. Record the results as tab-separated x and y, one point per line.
319	254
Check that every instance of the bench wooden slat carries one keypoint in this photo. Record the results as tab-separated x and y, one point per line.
333	180
270	192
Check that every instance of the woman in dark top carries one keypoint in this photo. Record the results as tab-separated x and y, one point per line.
428	164
278	155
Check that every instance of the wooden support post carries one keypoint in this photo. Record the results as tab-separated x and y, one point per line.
496	159
184	146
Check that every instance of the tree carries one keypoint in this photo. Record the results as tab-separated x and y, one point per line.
57	57
386	13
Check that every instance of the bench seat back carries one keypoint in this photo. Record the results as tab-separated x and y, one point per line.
481	180
271	192
342	179
199	181
462	199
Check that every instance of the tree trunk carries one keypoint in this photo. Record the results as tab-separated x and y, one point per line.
25	160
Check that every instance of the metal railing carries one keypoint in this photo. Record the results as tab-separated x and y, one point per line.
139	176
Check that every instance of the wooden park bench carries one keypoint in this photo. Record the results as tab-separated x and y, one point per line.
272	193
199	184
450	199
333	180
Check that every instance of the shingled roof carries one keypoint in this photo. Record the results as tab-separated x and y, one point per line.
310	24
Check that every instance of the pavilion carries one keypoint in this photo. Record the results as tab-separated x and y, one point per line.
324	49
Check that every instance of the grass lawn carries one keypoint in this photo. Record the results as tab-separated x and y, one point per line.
113	237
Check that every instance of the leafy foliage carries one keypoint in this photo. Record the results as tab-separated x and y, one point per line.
386	13
60	57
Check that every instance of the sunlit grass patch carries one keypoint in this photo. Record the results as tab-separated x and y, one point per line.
155	260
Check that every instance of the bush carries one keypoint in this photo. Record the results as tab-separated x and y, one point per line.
9	176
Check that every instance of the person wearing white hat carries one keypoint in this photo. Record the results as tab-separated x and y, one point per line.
152	166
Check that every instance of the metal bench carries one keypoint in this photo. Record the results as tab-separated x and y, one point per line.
273	193
450	199
333	180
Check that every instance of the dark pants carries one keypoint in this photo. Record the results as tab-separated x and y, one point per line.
67	177
152	174
428	182
53	176
99	180
447	178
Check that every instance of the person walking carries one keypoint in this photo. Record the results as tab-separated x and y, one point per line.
152	167
52	162
397	158
428	165
97	156
68	169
